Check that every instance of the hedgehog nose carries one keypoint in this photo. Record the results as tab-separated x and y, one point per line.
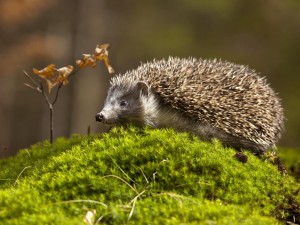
99	117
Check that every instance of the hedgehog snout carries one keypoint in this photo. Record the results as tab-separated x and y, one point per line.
99	117
107	116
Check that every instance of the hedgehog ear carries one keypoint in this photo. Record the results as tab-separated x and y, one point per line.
143	88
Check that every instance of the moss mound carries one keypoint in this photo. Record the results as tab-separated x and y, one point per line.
142	177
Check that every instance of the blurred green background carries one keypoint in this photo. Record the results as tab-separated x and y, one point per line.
262	34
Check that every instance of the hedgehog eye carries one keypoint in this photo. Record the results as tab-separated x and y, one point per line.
123	103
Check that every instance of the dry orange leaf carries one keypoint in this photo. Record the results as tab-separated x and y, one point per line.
108	66
45	73
87	60
51	84
63	74
102	49
101	53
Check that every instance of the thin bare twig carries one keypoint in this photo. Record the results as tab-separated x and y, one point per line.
56	95
30	78
44	93
34	88
50	105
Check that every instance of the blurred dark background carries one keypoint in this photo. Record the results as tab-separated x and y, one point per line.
262	34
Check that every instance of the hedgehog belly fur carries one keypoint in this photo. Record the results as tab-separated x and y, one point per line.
166	117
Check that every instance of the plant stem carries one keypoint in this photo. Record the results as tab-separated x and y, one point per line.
57	92
51	122
50	105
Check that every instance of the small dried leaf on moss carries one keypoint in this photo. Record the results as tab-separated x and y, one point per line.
89	217
45	73
87	60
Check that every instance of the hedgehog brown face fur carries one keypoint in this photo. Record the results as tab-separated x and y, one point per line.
211	98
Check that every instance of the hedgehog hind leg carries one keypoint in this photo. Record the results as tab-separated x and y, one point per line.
244	144
240	143
228	140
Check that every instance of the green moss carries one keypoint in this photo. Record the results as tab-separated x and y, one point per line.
291	159
142	177
31	159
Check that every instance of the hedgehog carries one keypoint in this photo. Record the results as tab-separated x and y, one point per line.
211	98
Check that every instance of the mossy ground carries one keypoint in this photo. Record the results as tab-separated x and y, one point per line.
291	159
146	176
